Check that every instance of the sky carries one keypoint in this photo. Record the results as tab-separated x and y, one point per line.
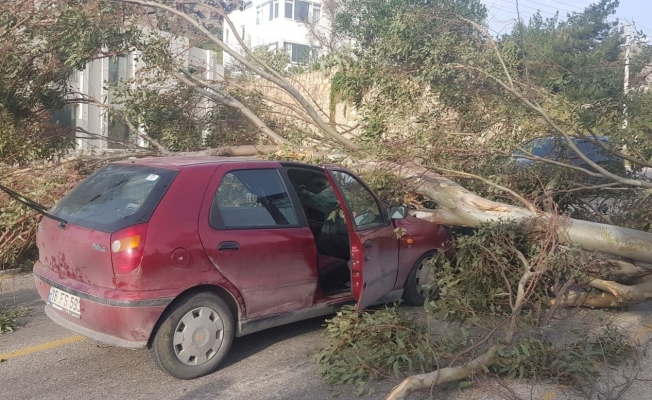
502	13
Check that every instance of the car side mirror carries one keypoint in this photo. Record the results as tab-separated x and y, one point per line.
398	212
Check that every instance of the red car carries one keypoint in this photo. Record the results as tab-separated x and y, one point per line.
181	254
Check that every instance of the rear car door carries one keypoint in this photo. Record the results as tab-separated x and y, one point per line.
374	245
253	235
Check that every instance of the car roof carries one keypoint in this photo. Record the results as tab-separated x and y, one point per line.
178	162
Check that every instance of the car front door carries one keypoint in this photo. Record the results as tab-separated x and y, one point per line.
253	235
374	245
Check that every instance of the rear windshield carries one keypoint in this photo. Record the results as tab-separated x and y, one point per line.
115	197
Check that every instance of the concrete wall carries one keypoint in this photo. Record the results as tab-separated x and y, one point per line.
316	88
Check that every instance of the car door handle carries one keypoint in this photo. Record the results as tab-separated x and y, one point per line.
228	246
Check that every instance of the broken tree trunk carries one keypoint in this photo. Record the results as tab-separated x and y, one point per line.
460	207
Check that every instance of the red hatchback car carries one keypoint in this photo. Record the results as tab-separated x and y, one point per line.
181	254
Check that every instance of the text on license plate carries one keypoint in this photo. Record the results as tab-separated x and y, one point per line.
63	301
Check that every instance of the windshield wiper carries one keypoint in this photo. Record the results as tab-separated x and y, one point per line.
39	208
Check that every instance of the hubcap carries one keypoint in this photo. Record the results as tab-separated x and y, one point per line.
426	280
198	336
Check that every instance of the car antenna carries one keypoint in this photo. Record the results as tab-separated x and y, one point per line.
39	208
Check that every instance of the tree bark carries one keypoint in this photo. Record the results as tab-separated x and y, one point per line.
460	207
612	295
442	376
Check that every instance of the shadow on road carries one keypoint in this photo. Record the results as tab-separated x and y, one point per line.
246	346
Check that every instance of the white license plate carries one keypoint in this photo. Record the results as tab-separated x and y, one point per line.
63	301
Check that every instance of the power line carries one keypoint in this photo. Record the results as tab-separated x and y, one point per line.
647	29
545	5
504	29
503	9
637	25
519	4
531	8
514	14
566	4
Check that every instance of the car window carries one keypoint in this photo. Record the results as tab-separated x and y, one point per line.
362	204
596	153
115	197
314	190
540	147
551	148
252	198
588	149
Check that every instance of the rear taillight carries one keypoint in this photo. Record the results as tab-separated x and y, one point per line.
127	248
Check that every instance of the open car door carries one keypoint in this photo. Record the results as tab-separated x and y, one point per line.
374	245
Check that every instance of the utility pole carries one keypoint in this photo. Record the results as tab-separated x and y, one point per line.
626	85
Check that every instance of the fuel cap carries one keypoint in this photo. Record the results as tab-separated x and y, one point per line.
180	257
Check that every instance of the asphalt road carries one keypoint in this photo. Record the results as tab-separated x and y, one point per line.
55	363
48	362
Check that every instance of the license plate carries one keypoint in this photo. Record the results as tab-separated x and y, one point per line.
63	301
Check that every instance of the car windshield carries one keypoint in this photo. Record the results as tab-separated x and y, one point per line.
551	148
115	197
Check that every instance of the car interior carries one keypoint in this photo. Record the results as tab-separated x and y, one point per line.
328	225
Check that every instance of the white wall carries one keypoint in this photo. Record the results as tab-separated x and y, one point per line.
277	31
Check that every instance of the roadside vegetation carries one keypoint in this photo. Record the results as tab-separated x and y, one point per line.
8	318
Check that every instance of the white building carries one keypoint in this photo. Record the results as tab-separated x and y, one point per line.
280	25
97	130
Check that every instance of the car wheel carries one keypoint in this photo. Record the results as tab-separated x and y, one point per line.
421	283
194	336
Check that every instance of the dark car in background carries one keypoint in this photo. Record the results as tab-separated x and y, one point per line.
557	149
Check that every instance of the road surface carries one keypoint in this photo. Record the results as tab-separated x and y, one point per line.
45	361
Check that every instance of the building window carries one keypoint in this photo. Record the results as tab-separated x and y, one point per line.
301	10
299	53
271	11
243	32
289	5
316	13
276	7
66	117
117	133
258	15
226	36
117	68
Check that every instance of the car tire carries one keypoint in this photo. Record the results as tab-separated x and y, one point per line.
414	294
194	337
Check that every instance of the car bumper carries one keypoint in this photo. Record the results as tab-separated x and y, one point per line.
118	322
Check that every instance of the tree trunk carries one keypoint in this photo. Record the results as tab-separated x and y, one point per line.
460	207
442	376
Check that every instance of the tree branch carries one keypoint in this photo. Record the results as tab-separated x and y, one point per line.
231	101
271	76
